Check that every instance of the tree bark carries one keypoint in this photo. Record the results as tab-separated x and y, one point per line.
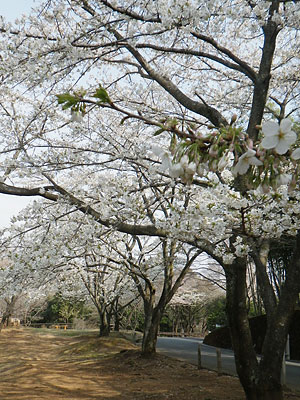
117	322
104	325
152	321
262	82
261	381
10	305
236	308
278	325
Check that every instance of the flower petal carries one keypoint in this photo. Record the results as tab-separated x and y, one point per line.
223	163
285	125
76	116
249	153
184	161
270	128
282	146
165	162
241	167
296	154
191	168
283	179
269	142
176	170
255	161
156	150
290	137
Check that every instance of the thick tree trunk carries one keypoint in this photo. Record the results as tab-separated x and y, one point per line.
117	322
278	323
264	393
261	381
10	305
151	325
104	326
236	307
152	320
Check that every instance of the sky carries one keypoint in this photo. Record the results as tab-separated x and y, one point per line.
15	8
11	205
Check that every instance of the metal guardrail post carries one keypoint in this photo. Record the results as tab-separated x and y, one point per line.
283	371
287	348
199	356
219	361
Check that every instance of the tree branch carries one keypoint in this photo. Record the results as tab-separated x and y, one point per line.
124	11
261	86
213	115
239	65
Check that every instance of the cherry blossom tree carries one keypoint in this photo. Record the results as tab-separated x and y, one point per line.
157	268
75	248
187	307
8	311
110	289
19	287
215	87
68	254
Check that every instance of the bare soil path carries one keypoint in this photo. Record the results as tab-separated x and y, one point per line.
47	366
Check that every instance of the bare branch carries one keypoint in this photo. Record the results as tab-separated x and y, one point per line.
239	65
213	115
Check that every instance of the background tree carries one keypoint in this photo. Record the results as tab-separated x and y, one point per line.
155	295
62	308
216	313
187	309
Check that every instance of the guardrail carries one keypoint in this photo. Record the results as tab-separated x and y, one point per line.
180	334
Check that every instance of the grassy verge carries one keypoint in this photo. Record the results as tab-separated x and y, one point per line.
86	344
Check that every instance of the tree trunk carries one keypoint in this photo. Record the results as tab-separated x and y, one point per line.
278	324
264	393
260	381
10	305
151	325
117	322
104	326
152	320
236	307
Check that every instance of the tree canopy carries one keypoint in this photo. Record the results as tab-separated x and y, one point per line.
173	119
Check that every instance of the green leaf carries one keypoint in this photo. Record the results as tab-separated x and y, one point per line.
102	95
67	100
62	98
159	131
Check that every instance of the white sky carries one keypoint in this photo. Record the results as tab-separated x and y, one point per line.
11	205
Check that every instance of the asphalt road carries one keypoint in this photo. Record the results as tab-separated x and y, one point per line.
186	349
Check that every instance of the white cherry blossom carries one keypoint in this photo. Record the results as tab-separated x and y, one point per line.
296	154
244	162
183	169
100	162
279	137
176	170
76	116
283	179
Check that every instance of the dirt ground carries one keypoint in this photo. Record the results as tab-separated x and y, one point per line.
45	365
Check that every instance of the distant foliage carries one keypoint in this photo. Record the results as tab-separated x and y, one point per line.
216	313
60	309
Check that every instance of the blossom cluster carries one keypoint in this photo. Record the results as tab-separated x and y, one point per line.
267	163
